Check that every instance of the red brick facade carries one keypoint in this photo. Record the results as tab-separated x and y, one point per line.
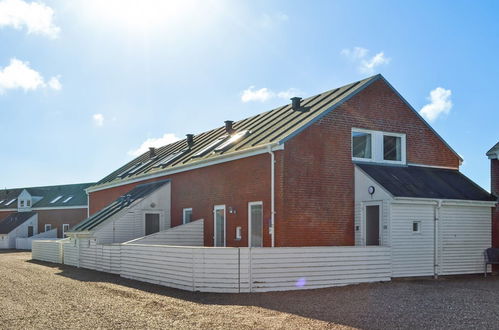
314	175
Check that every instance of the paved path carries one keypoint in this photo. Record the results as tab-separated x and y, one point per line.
42	295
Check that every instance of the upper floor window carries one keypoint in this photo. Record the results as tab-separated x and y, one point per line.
187	215
377	146
21	203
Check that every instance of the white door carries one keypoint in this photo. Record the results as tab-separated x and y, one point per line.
219	225
255	224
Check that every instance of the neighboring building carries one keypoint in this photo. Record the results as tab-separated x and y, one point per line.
56	207
356	165
493	155
18	224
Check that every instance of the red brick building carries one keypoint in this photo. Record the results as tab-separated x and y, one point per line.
287	174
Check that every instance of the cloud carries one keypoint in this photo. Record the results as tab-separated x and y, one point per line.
19	75
264	94
365	64
270	20
167	138
440	103
36	17
98	119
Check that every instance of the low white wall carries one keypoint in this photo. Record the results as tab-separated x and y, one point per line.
24	243
70	253
48	250
190	234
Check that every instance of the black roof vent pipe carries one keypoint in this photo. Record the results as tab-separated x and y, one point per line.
228	126
152	152
190	140
296	103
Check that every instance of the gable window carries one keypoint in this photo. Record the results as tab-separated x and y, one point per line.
392	148
48	227
187	215
361	145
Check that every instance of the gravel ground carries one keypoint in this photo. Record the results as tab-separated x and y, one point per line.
43	295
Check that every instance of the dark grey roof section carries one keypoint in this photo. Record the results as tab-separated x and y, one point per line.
13	221
269	127
494	151
425	182
126	200
48	194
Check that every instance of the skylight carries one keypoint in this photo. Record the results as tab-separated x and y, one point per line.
67	199
55	199
10	202
3	200
232	140
210	147
129	170
170	158
140	167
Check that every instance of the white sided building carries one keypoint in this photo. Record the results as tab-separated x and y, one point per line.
17	225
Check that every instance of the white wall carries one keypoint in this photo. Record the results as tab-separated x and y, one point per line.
190	234
50	251
25	243
129	223
9	240
362	197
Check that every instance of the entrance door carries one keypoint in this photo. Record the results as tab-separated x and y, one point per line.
255	216
219	224
372	224
30	231
152	223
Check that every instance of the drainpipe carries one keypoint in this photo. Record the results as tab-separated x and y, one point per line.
272	194
435	238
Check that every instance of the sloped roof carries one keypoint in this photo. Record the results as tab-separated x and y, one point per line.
425	182
494	151
48	194
138	193
13	221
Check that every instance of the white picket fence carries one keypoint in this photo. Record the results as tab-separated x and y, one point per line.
25	243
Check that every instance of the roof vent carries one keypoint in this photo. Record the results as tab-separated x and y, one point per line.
190	140
152	152
295	103
228	126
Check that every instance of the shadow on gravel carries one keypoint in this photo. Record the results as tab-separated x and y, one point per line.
452	302
12	251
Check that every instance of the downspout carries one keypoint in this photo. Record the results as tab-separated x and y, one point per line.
435	238
88	204
272	194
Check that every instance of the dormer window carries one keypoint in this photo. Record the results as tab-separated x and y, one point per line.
377	146
21	203
28	203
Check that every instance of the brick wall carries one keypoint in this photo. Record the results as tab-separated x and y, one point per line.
232	184
319	173
59	217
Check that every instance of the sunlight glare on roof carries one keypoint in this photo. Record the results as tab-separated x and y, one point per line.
232	140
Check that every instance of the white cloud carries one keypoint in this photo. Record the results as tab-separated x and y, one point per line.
271	20
167	138
18	74
36	17
440	103
265	94
98	119
366	64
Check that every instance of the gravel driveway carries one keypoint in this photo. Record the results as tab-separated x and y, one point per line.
43	295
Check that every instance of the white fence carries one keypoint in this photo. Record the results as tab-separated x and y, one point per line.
24	243
190	234
48	250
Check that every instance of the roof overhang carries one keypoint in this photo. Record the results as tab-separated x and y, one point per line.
199	164
457	202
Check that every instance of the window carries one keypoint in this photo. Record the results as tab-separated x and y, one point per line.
187	215
232	140
392	148
65	228
416	227
170	158
3	200
67	199
210	146
152	223
21	203
55	199
10	202
30	231
361	145
28	203
48	227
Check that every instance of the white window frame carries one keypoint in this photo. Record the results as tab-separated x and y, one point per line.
418	232
49	225
64	230
183	214
377	146
215	208
250	204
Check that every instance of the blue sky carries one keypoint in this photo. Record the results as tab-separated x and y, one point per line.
84	84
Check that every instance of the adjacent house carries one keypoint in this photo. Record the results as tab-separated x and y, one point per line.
56	207
18	224
493	155
355	165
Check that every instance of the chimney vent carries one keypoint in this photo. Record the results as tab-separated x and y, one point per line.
190	140
152	152
228	126
295	103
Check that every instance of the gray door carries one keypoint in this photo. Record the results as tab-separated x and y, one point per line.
256	224
219	214
372	225
152	223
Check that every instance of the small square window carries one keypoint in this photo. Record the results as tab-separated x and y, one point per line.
361	145
416	226
48	227
392	148
187	215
